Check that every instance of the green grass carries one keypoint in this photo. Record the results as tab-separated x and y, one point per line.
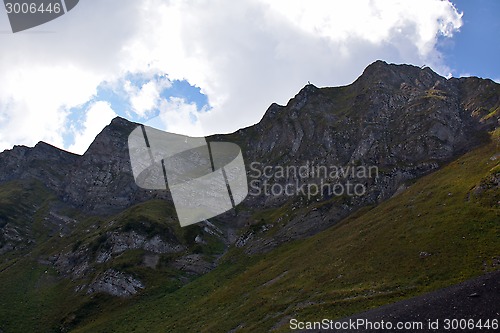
493	112
371	258
435	93
34	301
32	298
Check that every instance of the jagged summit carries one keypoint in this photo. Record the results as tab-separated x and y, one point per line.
380	66
113	137
307	90
393	75
114	128
79	225
392	115
119	121
378	75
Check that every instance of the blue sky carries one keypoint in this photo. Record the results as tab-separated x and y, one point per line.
475	50
118	101
199	68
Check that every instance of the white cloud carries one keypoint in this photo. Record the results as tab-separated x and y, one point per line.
243	54
248	54
98	115
375	21
44	75
178	116
34	101
146	99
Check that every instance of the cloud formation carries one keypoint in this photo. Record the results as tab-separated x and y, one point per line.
146	98
243	55
97	116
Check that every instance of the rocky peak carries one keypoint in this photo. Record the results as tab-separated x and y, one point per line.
272	111
406	120
111	139
294	104
43	162
387	75
392	115
302	97
101	180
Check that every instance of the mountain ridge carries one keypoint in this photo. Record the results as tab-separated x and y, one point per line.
77	234
406	120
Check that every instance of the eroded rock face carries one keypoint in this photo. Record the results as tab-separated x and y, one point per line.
101	180
405	120
77	264
74	265
42	162
12	238
391	115
118	242
82	263
115	283
193	263
399	117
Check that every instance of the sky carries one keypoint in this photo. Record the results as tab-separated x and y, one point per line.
199	67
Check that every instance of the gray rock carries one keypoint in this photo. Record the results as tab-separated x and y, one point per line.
115	283
405	120
193	263
119	242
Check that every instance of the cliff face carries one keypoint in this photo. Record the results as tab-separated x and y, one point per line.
101	180
43	162
404	120
393	116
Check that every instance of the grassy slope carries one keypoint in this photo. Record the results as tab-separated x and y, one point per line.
371	258
35	298
29	293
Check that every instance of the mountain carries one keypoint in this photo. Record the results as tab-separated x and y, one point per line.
83	248
438	232
405	120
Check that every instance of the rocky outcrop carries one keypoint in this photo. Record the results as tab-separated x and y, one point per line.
74	264
101	180
43	162
78	263
193	263
115	283
118	242
487	192
11	238
406	121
